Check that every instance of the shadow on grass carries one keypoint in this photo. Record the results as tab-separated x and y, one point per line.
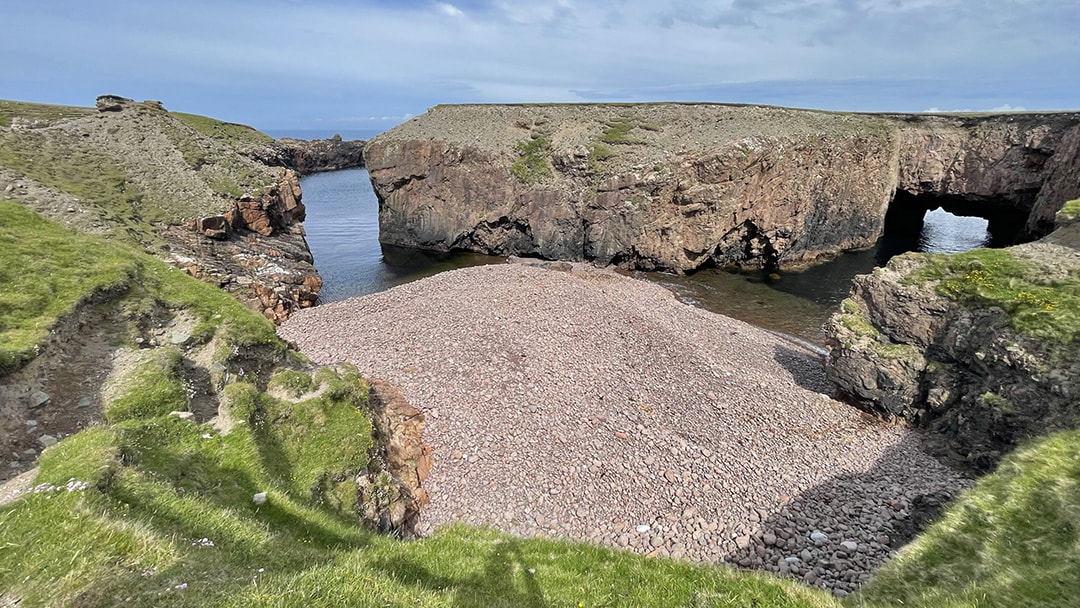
507	578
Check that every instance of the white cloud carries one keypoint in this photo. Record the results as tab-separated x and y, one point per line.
1008	108
449	9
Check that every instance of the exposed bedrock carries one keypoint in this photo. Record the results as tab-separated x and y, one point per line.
681	186
979	348
314	156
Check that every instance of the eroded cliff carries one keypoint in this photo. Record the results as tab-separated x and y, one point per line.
681	186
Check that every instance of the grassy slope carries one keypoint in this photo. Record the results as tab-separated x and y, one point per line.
228	132
1012	541
46	270
1044	309
38	111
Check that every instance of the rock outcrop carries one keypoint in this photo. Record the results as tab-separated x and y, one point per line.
314	156
979	348
681	186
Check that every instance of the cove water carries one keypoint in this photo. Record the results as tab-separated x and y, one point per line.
343	233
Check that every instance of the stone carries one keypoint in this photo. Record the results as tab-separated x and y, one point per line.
183	415
111	103
47	441
259	498
38	399
769	539
643	528
179	338
82	403
850	546
819	538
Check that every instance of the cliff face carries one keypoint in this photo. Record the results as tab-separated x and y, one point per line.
679	186
980	348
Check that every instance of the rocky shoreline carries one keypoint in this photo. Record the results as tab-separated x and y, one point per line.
583	404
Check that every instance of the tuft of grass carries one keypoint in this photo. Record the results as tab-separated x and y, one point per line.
39	112
293	382
228	132
45	271
617	132
532	165
1071	209
1043	309
154	388
1013	540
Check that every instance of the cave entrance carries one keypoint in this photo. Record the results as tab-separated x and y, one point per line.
936	223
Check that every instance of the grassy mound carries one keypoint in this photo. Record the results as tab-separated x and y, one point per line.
1012	541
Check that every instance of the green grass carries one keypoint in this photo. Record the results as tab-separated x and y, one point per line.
38	112
45	270
532	165
228	132
1044	309
154	388
1012	541
159	491
1071	209
617	132
60	161
293	382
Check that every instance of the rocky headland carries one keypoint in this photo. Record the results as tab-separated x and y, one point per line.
979	348
682	186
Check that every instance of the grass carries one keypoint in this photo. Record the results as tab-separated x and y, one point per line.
293	382
164	516
154	388
1071	209
47	270
532	166
1047	310
60	161
1012	541
38	112
227	132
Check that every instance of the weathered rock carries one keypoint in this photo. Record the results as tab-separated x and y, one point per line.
111	103
679	186
306	157
959	366
406	462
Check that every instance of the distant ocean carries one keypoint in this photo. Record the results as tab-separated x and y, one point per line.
323	133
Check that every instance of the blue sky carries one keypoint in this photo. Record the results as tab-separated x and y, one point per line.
339	65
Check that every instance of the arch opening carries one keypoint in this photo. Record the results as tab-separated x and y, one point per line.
941	223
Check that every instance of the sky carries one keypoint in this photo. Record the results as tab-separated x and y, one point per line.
334	65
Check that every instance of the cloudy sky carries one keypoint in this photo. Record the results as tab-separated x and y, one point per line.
368	64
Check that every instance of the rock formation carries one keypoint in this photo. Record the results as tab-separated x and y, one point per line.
306	157
979	348
681	186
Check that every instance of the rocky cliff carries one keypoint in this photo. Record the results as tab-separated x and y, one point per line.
314	156
681	186
980	348
181	186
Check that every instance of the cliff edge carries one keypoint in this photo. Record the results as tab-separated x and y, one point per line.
681	186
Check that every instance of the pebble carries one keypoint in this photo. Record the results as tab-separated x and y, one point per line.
47	441
569	359
259	498
38	399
